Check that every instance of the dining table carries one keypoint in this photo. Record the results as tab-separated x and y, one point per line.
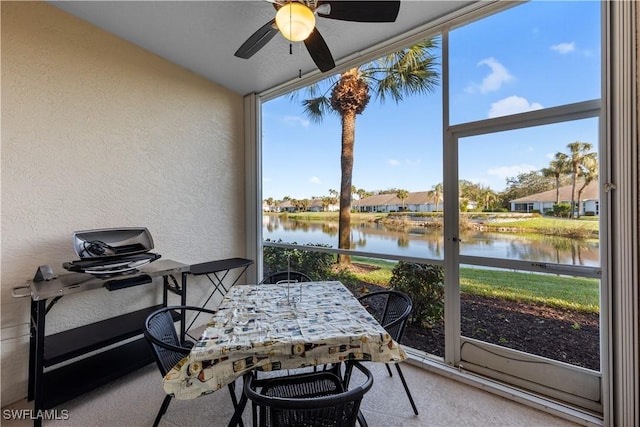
271	327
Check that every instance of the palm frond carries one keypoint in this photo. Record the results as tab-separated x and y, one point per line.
408	71
316	98
316	108
413	70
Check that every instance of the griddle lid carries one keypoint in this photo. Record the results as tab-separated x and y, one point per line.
112	242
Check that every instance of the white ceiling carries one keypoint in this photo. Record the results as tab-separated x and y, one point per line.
202	36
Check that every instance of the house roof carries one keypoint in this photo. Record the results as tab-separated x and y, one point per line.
415	198
591	192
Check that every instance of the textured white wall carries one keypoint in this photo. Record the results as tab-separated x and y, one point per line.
98	133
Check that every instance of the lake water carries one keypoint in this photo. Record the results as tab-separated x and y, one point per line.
428	243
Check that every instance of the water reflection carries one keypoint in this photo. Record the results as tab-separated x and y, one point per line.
428	242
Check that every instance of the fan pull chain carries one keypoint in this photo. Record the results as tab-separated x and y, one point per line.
299	73
290	49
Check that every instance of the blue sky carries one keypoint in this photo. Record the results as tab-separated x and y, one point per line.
537	55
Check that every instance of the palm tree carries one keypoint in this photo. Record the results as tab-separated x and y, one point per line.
589	172
362	193
405	72
488	197
558	167
578	152
304	204
402	195
437	194
269	202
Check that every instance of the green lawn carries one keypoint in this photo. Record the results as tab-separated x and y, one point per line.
564	292
556	226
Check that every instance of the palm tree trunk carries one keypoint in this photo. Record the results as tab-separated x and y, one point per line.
346	166
573	191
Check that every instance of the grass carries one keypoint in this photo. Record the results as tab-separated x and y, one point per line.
553	226
332	216
573	293
582	228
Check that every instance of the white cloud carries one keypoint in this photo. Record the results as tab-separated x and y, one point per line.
393	162
564	48
315	180
293	120
512	105
494	80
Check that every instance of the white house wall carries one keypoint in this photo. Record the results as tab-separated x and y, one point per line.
98	133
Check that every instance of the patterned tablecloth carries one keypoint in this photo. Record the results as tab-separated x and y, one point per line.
271	327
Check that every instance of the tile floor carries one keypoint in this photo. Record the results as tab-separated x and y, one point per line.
134	401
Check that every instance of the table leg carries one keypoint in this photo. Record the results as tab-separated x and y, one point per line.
236	420
37	345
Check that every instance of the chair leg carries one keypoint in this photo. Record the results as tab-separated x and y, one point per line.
388	369
163	409
406	388
361	420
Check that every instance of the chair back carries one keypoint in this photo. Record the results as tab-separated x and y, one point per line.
390	308
160	332
315	399
285	277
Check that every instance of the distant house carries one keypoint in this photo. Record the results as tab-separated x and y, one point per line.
286	206
543	202
420	201
315	205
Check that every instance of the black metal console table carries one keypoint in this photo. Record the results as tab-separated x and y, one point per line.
217	271
64	382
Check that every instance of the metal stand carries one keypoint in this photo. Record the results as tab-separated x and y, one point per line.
217	272
62	382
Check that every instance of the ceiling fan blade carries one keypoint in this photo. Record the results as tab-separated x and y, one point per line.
361	11
257	40
319	51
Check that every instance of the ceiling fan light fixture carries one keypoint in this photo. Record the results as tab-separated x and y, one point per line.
295	21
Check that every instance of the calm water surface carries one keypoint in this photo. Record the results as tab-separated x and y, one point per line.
428	243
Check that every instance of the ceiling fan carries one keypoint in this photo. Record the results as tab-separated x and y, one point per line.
296	21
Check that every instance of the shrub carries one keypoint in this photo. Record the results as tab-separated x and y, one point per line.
561	210
316	265
425	285
589	213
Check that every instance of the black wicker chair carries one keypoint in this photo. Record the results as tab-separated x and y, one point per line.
314	399
160	332
285	276
391	309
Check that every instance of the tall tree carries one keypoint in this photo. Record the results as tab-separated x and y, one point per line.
405	72
578	152
488	197
402	195
524	184
558	168
436	191
588	172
